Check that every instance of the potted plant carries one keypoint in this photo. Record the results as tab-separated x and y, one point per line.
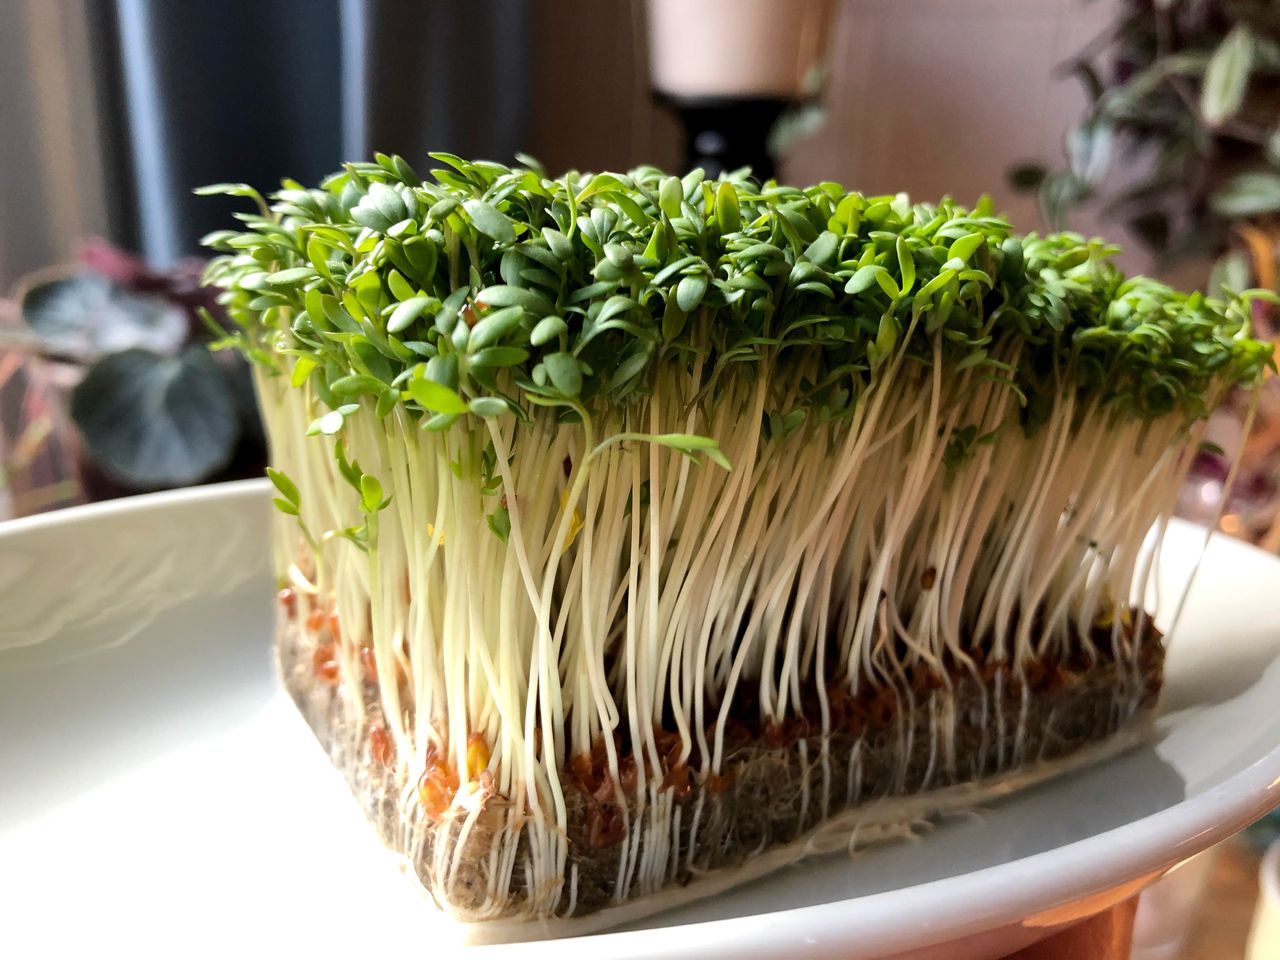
125	350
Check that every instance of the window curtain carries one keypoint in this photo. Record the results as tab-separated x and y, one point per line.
256	90
52	155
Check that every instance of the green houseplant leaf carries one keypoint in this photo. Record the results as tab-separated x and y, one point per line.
155	421
1249	194
1227	76
82	316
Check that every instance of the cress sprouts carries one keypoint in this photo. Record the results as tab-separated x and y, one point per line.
606	455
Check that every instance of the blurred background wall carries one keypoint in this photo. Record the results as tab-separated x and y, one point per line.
114	109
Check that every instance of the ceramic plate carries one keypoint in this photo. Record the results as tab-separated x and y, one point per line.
158	792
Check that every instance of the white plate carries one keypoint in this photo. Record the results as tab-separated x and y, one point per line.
161	794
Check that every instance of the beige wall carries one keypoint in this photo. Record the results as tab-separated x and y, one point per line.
940	96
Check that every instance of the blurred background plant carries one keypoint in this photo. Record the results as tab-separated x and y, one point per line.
1187	92
108	385
1180	142
38	452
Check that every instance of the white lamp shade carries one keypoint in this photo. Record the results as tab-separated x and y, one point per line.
738	48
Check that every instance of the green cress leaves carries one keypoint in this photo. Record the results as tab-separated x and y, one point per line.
490	291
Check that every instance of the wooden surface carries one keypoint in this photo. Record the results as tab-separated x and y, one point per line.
1105	937
1221	927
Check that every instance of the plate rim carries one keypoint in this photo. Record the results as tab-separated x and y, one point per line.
132	503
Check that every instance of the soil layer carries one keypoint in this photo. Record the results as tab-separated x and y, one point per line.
973	726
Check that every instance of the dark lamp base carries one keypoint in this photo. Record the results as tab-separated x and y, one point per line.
726	133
